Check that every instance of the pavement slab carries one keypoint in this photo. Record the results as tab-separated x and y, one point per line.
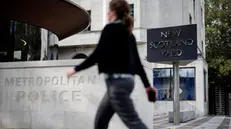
209	122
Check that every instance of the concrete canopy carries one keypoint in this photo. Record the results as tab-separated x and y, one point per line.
62	17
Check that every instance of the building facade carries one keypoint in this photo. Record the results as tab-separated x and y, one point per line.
153	14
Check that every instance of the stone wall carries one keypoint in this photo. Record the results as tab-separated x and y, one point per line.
37	95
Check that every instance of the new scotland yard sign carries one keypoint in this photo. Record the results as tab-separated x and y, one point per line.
171	44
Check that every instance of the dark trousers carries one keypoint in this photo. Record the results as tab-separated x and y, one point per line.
117	100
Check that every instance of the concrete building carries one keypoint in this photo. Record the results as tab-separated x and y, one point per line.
153	14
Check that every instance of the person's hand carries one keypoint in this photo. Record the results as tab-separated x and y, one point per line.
70	72
151	94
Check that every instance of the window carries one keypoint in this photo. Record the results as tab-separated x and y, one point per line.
132	10
80	56
194	9
205	86
89	27
202	17
19	42
202	47
190	19
163	81
24	42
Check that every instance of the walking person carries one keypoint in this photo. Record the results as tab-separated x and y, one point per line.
117	57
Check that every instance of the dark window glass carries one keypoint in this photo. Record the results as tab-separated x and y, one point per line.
163	81
202	47
80	56
20	42
24	42
205	86
202	17
132	10
190	19
194	9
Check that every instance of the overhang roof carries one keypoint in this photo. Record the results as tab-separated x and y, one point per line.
62	17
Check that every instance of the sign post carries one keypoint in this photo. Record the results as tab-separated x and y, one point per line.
176	102
173	45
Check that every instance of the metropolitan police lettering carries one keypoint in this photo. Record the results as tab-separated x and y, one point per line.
46	89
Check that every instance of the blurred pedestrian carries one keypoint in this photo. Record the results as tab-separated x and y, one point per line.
117	57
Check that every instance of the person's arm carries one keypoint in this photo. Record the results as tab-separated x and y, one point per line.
140	69
151	92
92	59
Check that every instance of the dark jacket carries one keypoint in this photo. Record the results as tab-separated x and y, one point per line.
116	52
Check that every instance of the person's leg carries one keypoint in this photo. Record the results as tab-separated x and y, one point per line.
104	114
119	94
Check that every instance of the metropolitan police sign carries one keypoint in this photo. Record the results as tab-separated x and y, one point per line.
171	44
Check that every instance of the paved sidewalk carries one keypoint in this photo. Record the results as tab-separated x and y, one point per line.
217	122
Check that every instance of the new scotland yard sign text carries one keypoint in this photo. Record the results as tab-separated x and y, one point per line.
172	44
